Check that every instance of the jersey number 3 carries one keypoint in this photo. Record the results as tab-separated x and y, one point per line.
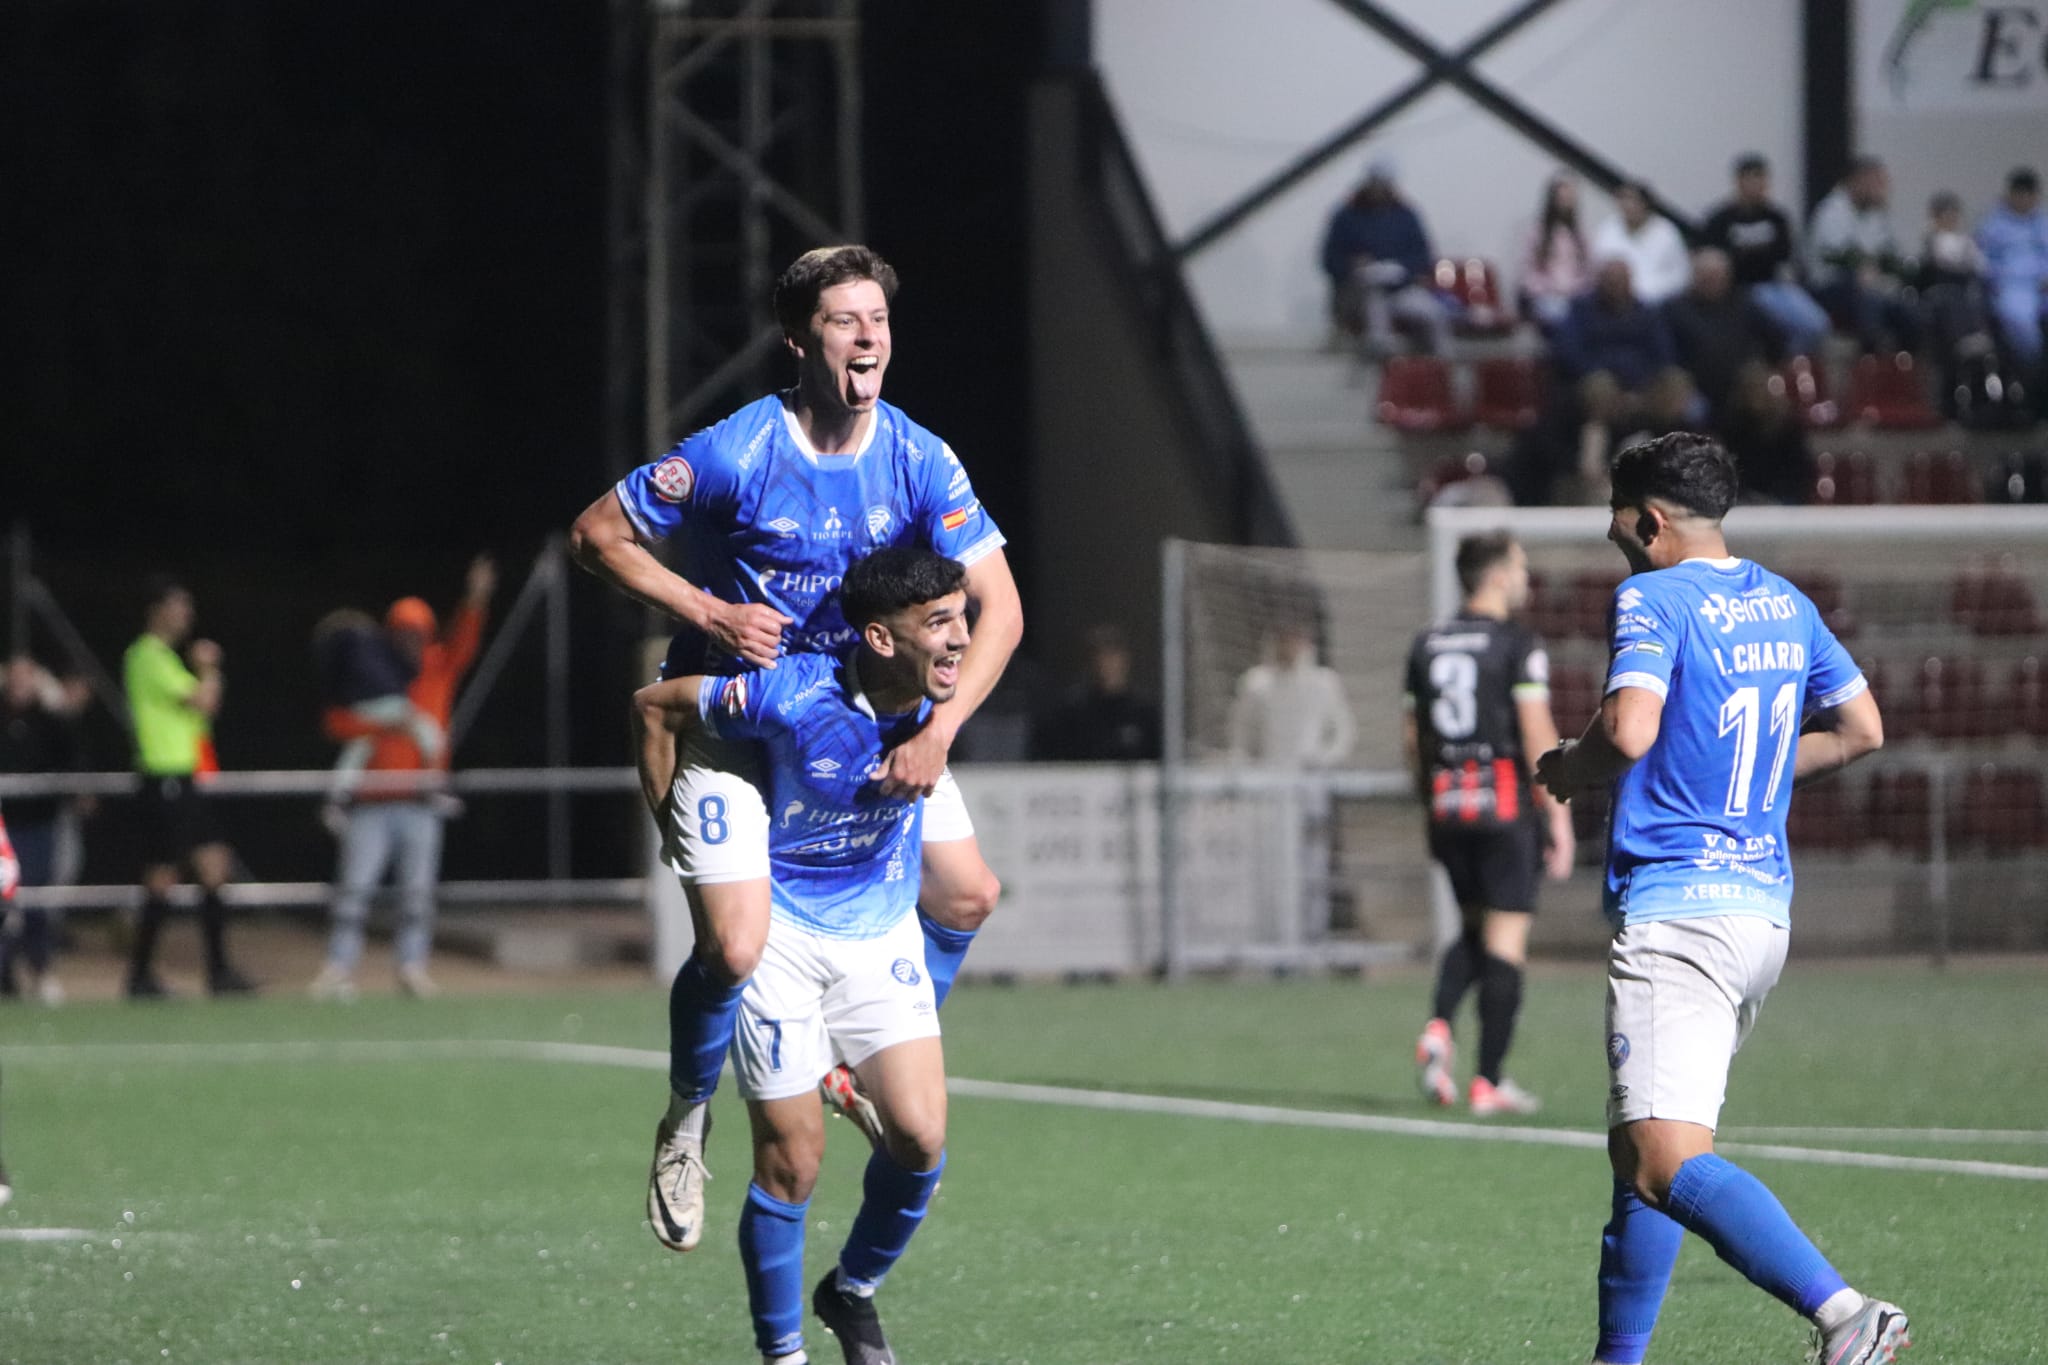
1455	680
1739	714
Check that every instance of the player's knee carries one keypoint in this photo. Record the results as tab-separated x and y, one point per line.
787	1166
966	906
918	1143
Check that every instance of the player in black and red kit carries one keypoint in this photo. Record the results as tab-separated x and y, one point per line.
1478	715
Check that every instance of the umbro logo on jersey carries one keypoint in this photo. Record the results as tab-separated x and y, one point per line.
825	767
1630	599
673	479
783	526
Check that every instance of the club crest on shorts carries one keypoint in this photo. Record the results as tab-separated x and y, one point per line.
673	479
1617	1050
904	970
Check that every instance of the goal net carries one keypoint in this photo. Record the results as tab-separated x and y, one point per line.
1292	844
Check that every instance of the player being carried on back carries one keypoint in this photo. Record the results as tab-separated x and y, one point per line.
768	508
842	977
1724	689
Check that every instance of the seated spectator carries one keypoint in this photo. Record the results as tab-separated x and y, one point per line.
1757	236
1650	243
2014	240
1951	284
1377	255
1729	346
1617	355
1554	264
1103	720
1854	264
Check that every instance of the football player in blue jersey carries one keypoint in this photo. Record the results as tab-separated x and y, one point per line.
769	507
843	975
1724	690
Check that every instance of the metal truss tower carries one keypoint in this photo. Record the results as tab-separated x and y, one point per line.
735	137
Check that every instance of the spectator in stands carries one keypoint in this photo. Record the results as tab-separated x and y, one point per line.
395	819
1290	710
1649	242
1554	261
1103	720
173	706
1757	236
1951	285
1728	346
1377	255
1616	355
1853	260
2014	240
38	735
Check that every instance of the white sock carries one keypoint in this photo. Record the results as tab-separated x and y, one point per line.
687	1118
798	1359
1841	1305
853	1287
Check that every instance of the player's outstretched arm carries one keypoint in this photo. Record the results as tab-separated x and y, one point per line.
661	712
1837	737
605	543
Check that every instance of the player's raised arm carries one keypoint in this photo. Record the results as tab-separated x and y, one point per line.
607	543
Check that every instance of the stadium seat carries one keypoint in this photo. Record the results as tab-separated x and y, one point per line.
1824	590
2026	699
1900	810
1592	595
2000	811
1475	284
1509	393
1995	601
1844	479
1805	385
1574	697
1416	395
1548	611
1940	477
1823	816
1886	391
1951	701
1451	471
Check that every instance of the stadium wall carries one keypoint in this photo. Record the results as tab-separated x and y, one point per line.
1667	90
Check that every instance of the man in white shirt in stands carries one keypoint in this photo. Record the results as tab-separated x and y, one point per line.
1290	711
1658	263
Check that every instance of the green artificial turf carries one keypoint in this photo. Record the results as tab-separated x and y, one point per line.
315	1206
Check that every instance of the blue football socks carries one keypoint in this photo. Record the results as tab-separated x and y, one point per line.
944	950
891	1208
701	1016
1750	1230
1637	1250
772	1251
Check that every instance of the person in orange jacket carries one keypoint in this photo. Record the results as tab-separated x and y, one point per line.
394	820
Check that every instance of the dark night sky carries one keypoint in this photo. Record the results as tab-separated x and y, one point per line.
306	303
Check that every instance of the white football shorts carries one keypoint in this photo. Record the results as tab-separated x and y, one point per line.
1682	995
718	821
815	1001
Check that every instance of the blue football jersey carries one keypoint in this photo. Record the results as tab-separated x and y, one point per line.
1741	658
843	859
764	518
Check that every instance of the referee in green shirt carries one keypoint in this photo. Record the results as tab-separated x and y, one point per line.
173	706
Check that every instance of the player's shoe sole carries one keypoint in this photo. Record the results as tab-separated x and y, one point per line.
675	1187
1875	1336
842	1093
852	1320
1433	1057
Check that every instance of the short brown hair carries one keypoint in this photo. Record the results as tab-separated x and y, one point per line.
811	274
1477	554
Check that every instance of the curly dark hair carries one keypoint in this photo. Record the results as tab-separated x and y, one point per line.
895	577
1685	469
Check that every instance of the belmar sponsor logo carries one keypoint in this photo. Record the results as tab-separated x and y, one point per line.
1726	613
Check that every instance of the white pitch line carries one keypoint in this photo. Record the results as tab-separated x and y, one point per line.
2022	1137
643	1059
50	1235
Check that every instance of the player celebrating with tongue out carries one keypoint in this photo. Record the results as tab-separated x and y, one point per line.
769	508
